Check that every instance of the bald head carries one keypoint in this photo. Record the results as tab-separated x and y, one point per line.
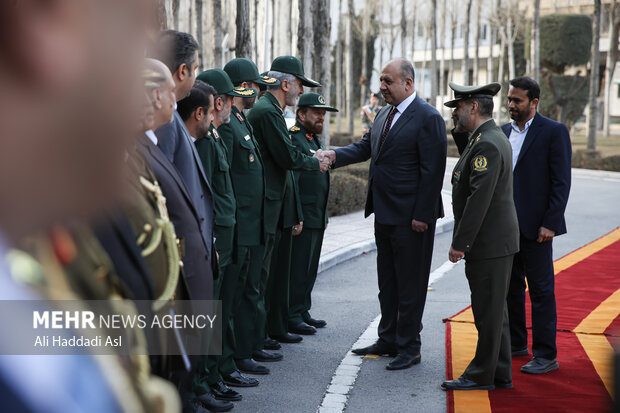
163	96
397	79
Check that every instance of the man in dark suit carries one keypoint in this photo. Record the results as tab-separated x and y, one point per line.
197	259
407	148
485	234
541	154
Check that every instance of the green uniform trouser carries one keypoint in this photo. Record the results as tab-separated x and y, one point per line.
304	267
488	281
245	311
208	372
276	297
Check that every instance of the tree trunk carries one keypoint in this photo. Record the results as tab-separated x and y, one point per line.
442	61
596	34
535	44
434	53
339	69
465	66
217	26
349	65
305	39
403	30
414	28
477	42
243	40
199	34
612	57
511	34
500	72
364	81
453	23
322	67
492	40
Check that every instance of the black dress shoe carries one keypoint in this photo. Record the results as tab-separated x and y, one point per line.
316	323
520	352
264	356
211	404
403	361
539	365
463	383
222	392
250	366
503	384
302	328
271	344
194	406
288	338
378	348
236	379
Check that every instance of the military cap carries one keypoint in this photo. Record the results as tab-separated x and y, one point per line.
152	79
244	70
314	100
292	66
469	92
222	84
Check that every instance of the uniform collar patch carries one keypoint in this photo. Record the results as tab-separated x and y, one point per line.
309	137
239	116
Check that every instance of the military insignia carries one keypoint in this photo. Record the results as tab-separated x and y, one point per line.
295	129
457	175
246	137
215	134
239	116
321	100
268	79
251	158
309	137
244	91
480	163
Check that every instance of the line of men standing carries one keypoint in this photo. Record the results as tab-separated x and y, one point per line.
259	197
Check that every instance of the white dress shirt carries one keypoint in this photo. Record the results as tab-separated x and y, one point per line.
516	139
151	135
402	107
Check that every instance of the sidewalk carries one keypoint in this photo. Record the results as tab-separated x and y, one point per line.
349	236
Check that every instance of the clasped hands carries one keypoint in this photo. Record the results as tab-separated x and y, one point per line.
326	159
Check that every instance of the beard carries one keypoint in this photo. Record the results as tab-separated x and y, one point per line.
292	96
315	128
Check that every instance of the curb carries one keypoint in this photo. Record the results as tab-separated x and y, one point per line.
349	252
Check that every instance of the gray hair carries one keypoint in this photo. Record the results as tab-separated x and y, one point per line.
485	106
406	70
281	77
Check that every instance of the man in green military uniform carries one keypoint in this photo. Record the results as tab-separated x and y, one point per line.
313	190
213	155
246	168
486	233
279	156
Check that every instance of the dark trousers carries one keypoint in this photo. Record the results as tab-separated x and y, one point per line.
304	267
276	296
488	281
249	313
403	267
534	261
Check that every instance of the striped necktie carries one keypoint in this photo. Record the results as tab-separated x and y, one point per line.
388	124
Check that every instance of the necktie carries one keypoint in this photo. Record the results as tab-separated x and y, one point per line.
388	124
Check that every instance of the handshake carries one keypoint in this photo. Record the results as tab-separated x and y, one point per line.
326	159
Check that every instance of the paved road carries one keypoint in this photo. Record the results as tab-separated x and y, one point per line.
346	296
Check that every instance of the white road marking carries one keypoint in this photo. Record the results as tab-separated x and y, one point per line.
337	394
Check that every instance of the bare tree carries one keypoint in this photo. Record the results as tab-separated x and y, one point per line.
305	34
365	33
612	57
442	61
477	41
465	66
535	44
596	35
349	65
243	42
199	32
453	25
403	30
492	40
339	68
414	28
217	27
434	52
322	67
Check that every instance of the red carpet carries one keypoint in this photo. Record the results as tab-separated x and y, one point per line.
588	305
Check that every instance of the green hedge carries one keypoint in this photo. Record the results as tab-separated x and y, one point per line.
588	159
347	193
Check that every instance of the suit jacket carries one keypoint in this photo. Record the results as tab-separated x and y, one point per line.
246	171
485	220
278	155
542	177
176	143
406	174
196	257
313	186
